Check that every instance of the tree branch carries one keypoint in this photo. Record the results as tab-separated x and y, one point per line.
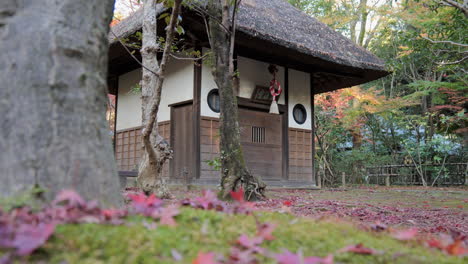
453	62
205	13
462	7
131	54
446	42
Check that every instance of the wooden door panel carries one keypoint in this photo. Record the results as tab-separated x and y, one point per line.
183	160
261	138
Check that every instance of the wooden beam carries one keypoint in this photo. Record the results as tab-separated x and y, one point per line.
248	104
181	103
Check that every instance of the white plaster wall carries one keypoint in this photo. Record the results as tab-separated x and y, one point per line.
251	73
178	87
299	93
128	103
207	85
255	73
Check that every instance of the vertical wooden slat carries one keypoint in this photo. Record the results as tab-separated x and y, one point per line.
128	146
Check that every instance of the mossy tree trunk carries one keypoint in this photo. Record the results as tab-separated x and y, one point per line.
234	173
156	150
53	71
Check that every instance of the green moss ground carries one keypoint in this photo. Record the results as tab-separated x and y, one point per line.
207	231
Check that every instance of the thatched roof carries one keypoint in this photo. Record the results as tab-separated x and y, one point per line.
278	23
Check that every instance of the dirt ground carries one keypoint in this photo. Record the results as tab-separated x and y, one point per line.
431	210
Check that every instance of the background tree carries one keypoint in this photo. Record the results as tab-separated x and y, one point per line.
221	33
155	149
53	98
424	105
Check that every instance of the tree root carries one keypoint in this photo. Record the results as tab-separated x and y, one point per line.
150	178
254	188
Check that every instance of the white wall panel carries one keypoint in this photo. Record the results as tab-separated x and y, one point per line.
299	93
251	73
178	87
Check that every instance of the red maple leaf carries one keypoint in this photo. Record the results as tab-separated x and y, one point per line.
205	258
143	204
435	243
457	248
238	195
287	203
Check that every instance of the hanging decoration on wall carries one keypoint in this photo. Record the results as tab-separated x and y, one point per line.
275	89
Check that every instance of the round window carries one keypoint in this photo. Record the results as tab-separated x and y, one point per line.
213	100
299	114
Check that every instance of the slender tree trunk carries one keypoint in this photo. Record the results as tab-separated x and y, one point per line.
363	14
356	137
234	171
53	68
156	150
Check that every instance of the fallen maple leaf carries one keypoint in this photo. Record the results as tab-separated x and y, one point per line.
378	227
205	258
435	243
265	231
238	195
70	196
30	237
167	214
405	234
287	203
359	249
457	249
143	204
250	243
242	256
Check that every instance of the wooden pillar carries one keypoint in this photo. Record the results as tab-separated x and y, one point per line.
113	88
312	129
466	173
197	80
286	126
343	180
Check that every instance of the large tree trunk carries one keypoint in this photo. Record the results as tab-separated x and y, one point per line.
234	171
156	150
53	98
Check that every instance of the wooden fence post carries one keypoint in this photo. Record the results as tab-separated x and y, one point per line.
343	180
387	180
466	174
319	181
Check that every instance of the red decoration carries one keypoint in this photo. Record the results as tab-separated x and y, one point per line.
275	88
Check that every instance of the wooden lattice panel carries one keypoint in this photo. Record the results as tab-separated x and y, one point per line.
209	146
300	154
128	147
